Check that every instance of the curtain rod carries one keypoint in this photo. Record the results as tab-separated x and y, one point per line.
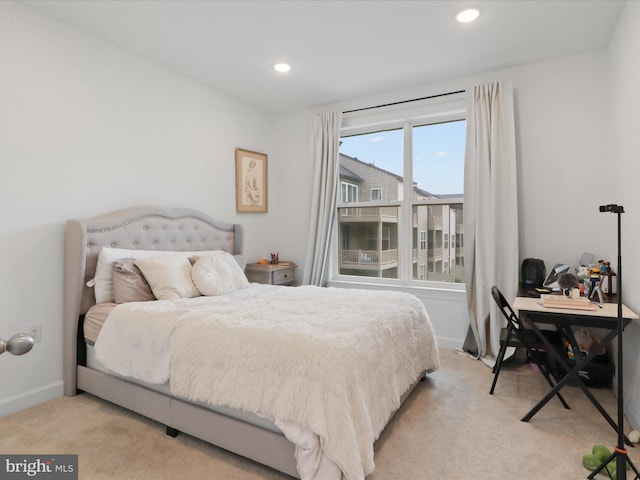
403	101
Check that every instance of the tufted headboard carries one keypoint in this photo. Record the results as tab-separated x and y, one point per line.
144	228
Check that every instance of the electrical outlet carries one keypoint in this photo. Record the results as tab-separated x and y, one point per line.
35	331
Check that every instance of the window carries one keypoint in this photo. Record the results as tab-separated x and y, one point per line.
423	239
349	192
418	162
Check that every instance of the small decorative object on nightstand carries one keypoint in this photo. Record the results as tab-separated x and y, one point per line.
281	274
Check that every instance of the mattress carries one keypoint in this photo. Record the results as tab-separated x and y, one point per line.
93	322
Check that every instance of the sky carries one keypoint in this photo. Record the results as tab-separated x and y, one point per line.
438	154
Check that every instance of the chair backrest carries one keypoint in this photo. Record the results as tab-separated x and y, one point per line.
505	308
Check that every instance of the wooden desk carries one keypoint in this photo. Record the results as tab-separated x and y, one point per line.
604	317
531	311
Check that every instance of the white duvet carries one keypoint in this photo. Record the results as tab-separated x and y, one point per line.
327	365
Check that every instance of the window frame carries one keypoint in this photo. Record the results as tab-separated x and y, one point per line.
349	186
425	112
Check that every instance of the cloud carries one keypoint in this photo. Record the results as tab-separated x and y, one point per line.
442	154
377	139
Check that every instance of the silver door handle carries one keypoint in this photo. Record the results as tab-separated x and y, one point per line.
19	344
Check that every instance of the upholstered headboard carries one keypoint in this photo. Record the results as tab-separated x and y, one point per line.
142	228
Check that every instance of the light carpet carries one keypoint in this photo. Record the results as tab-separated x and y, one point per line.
450	428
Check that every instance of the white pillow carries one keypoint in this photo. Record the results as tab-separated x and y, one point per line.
168	276
103	288
218	274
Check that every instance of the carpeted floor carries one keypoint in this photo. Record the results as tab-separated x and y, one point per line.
449	429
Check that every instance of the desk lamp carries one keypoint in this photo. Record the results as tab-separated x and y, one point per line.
620	452
19	344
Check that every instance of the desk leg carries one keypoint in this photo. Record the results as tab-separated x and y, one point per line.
571	373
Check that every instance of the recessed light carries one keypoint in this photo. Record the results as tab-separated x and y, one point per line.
468	15
282	67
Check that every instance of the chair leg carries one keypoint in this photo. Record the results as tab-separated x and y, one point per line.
498	366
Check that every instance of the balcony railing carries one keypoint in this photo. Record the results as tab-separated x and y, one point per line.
369	214
435	223
369	257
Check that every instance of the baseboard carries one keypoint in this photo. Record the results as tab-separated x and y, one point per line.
450	343
31	398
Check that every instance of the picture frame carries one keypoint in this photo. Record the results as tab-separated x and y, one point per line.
251	181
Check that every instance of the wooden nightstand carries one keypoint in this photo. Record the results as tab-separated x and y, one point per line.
281	274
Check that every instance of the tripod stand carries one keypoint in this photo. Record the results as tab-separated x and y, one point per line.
620	452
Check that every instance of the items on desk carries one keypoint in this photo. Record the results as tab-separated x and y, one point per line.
568	282
559	301
582	272
533	271
607	278
552	279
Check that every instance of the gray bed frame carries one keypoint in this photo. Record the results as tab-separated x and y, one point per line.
155	228
162	229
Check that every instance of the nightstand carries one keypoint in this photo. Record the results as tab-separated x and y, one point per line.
281	274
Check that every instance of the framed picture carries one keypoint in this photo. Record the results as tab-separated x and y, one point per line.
251	182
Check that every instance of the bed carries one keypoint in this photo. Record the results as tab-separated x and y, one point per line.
281	416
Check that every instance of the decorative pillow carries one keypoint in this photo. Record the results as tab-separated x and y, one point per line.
129	285
169	276
103	288
242	262
218	274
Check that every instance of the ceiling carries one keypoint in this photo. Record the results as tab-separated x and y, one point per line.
338	49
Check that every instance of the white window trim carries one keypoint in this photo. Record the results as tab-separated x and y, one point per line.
349	184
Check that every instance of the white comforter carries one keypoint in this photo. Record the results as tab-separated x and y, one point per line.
334	362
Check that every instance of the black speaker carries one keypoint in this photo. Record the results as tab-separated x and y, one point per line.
533	272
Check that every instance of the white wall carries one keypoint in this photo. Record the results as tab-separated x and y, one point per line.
622	166
86	128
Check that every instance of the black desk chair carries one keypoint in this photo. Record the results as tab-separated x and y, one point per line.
516	335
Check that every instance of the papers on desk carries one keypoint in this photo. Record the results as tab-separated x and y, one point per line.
560	301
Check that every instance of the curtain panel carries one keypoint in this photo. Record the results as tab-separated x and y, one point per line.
490	211
325	143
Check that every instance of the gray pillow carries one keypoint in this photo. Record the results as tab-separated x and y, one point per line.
129	285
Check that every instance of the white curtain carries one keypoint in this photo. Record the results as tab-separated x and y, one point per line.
490	210
325	145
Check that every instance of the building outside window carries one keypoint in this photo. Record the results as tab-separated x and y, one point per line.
411	227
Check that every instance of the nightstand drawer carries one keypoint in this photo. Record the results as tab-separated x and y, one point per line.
283	277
